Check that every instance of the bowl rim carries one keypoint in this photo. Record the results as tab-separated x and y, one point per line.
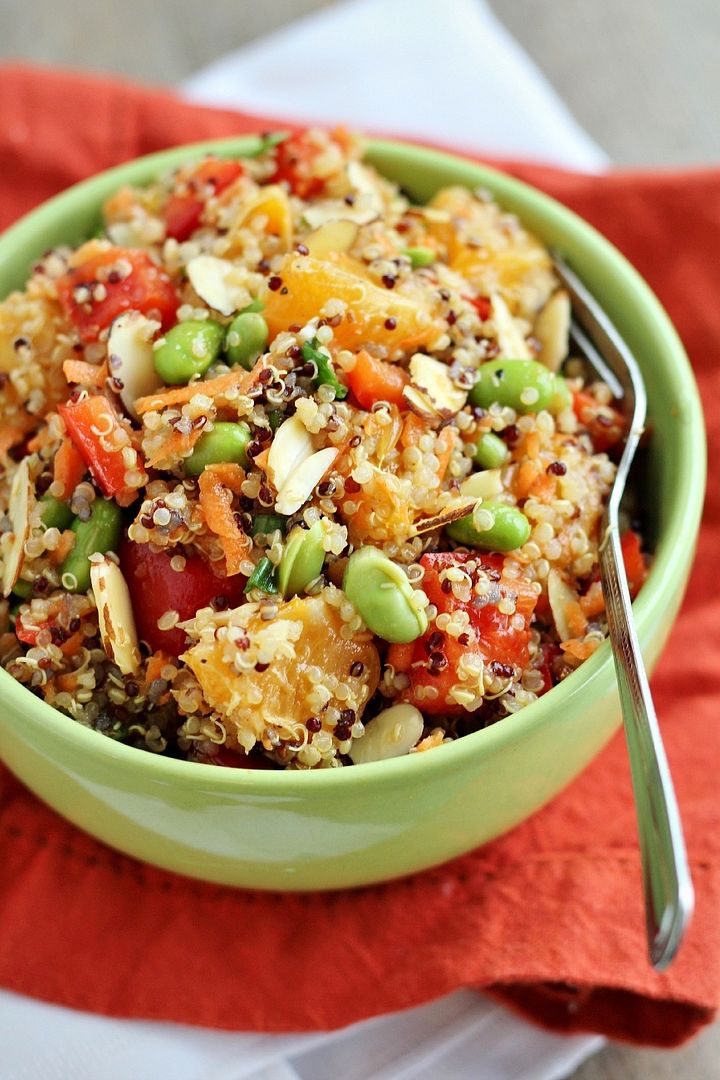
597	670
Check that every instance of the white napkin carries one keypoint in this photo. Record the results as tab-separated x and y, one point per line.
447	71
460	1037
444	70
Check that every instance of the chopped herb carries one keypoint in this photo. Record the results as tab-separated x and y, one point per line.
262	578
325	372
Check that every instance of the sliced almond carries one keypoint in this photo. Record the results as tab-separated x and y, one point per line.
219	283
552	330
510	337
130	357
115	615
392	733
328	210
483	485
337	235
560	597
432	389
22	493
290	447
301	483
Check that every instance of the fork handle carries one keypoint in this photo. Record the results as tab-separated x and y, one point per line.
667	886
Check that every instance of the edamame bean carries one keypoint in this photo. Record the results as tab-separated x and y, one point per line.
492	526
383	596
101	532
262	578
254	305
55	514
420	256
226	442
246	338
188	349
302	559
490	452
268	523
524	385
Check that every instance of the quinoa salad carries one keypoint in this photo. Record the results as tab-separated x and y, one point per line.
295	473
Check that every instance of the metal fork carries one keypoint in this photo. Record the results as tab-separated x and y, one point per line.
668	889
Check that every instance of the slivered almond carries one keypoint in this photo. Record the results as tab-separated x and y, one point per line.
510	337
130	357
552	330
301	483
22	493
337	235
115	615
392	733
482	485
219	283
438	521
431	390
560	596
290	447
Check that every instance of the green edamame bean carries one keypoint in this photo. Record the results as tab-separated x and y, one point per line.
246	338
420	256
262	578
101	532
524	385
226	442
302	559
383	596
490	452
268	523
23	589
189	349
55	514
507	528
254	305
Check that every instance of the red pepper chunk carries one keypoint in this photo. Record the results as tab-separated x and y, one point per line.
294	163
374	380
104	443
633	560
184	209
156	587
94	293
434	664
607	426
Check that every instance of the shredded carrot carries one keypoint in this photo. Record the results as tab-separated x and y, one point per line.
10	435
524	479
67	682
79	371
593	602
73	644
444	447
217	484
65	546
401	656
177	445
237	379
40	439
413	429
155	664
543	488
576	620
68	468
579	649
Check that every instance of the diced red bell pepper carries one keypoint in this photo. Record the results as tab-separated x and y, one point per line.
184	208
156	587
374	380
492	635
102	440
28	634
607	426
633	560
483	306
294	161
101	288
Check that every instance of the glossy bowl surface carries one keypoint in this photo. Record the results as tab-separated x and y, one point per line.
345	827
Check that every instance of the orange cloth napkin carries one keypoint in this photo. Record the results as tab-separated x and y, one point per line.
548	919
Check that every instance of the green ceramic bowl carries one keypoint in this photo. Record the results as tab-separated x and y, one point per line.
344	827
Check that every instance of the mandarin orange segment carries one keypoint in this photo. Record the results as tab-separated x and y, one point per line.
304	285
